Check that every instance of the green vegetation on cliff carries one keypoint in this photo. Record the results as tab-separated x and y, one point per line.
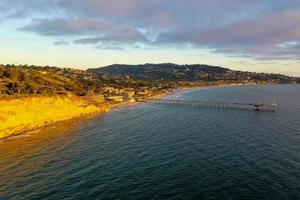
52	80
35	80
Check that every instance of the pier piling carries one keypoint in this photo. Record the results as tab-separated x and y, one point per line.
217	105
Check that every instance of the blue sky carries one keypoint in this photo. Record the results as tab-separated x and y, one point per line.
254	35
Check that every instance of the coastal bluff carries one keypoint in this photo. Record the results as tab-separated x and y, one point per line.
25	113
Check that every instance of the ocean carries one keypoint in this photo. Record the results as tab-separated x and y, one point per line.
151	151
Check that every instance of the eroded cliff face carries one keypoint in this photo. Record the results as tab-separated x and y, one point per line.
22	114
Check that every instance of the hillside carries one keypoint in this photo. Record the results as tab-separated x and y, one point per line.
53	80
16	80
35	80
197	72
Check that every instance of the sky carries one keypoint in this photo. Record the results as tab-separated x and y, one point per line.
252	35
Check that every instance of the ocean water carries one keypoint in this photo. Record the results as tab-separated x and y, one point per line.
153	151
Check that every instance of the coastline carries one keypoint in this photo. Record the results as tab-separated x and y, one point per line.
188	89
20	115
89	115
70	123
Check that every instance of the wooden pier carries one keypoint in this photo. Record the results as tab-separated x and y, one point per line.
219	105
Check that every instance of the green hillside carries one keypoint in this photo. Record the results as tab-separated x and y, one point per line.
193	73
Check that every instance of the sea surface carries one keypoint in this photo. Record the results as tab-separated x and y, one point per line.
151	151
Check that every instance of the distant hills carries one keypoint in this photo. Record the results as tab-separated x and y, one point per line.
54	80
193	73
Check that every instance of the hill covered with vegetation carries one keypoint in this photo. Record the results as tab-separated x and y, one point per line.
193	73
37	80
54	80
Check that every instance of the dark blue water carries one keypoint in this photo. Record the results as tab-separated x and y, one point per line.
164	152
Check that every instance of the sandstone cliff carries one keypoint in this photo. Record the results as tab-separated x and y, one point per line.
20	114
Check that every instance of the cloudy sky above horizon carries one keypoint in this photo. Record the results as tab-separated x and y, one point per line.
254	35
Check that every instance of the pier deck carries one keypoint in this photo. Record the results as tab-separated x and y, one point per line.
219	105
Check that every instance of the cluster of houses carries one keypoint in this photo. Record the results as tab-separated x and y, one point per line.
119	95
115	95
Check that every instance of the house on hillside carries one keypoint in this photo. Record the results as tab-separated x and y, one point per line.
115	98
109	90
129	93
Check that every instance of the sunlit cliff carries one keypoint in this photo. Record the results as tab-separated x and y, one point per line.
20	114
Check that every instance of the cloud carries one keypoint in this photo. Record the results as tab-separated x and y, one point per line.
250	28
109	46
101	7
97	30
261	37
61	42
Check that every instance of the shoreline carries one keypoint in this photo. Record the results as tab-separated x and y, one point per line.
20	115
52	125
114	107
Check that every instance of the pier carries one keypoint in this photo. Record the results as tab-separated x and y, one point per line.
219	105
